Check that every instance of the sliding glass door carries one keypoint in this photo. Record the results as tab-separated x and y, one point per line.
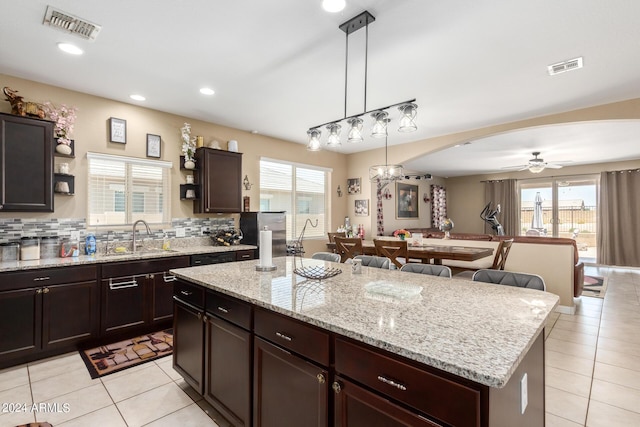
561	207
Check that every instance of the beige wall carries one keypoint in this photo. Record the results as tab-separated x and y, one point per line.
91	134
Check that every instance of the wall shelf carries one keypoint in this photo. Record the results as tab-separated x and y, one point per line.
185	187
68	156
63	177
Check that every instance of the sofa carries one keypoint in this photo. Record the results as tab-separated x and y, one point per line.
556	259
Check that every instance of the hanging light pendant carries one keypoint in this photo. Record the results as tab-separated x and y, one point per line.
379	129
314	139
333	140
355	132
408	119
386	172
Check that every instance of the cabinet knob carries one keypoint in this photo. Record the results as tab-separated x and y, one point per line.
336	387
205	319
321	378
199	316
38	291
1	207
45	291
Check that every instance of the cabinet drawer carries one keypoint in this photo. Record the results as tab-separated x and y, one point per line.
244	255
230	309
136	268
435	395
47	276
293	335
191	294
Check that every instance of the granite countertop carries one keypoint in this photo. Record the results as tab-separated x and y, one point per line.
474	330
177	249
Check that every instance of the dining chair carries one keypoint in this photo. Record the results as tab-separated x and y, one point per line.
395	250
348	247
326	256
374	261
332	236
431	269
510	278
499	260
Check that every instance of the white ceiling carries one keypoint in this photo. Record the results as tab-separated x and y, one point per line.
278	67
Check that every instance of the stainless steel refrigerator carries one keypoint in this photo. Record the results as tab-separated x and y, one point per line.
252	222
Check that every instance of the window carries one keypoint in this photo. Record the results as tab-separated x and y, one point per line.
284	186
122	190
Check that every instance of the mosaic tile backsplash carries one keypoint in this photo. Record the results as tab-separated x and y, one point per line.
11	230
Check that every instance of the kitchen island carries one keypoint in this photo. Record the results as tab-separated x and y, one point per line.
417	349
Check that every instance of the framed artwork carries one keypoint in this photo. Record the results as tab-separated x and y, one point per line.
353	186
407	197
117	130
153	145
362	207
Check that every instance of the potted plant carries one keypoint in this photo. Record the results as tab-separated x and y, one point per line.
64	118
188	146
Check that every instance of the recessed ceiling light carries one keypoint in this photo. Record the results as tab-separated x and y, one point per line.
207	91
136	97
333	6
70	48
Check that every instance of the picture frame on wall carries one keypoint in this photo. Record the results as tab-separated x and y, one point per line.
362	207
407	201
154	143
117	130
353	186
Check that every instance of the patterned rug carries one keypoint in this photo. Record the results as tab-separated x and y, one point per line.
594	286
107	359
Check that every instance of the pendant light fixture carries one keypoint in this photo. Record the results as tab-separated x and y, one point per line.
408	109
386	173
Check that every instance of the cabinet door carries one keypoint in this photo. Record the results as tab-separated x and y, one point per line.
228	370
20	322
188	344
162	296
26	163
70	314
354	407
123	303
288	391
220	181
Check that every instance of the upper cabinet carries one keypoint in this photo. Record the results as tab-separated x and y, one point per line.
26	164
219	176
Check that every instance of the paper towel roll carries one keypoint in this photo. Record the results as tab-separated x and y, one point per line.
265	248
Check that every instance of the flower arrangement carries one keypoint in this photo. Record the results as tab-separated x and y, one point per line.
188	143
65	118
402	233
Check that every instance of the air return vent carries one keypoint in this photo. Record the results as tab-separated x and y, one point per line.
66	22
561	67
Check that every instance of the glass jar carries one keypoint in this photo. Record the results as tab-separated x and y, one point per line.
29	248
49	247
9	251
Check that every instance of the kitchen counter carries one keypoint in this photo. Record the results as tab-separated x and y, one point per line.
477	331
101	258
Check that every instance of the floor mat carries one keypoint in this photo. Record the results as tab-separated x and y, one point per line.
107	359
594	286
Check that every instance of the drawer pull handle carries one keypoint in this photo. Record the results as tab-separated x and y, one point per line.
224	310
283	336
246	256
186	293
392	383
168	278
40	279
321	378
337	388
123	285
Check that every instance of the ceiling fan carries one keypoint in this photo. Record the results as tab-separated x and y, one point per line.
537	165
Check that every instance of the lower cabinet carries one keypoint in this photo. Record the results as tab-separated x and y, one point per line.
42	311
188	340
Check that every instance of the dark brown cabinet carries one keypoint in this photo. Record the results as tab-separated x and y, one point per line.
26	164
219	177
188	333
44	311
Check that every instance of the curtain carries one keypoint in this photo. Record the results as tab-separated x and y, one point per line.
505	193
618	224
438	205
379	213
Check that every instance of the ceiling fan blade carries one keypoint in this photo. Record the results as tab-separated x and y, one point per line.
516	168
553	166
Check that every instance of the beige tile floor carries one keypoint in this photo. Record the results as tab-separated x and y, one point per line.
592	375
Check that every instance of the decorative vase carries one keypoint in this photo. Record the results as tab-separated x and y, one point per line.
189	164
63	149
402	236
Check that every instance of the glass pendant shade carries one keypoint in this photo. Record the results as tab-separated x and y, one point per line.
408	118
536	168
355	132
386	173
314	139
333	140
379	129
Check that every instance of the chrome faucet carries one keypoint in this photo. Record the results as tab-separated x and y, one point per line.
134	231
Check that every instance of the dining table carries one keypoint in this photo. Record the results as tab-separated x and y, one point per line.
427	252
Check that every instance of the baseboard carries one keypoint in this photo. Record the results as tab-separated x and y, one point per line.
564	309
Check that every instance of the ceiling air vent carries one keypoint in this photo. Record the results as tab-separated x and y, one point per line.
561	67
66	22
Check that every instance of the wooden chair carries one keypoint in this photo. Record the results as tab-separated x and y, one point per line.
501	254
395	250
348	247
332	237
